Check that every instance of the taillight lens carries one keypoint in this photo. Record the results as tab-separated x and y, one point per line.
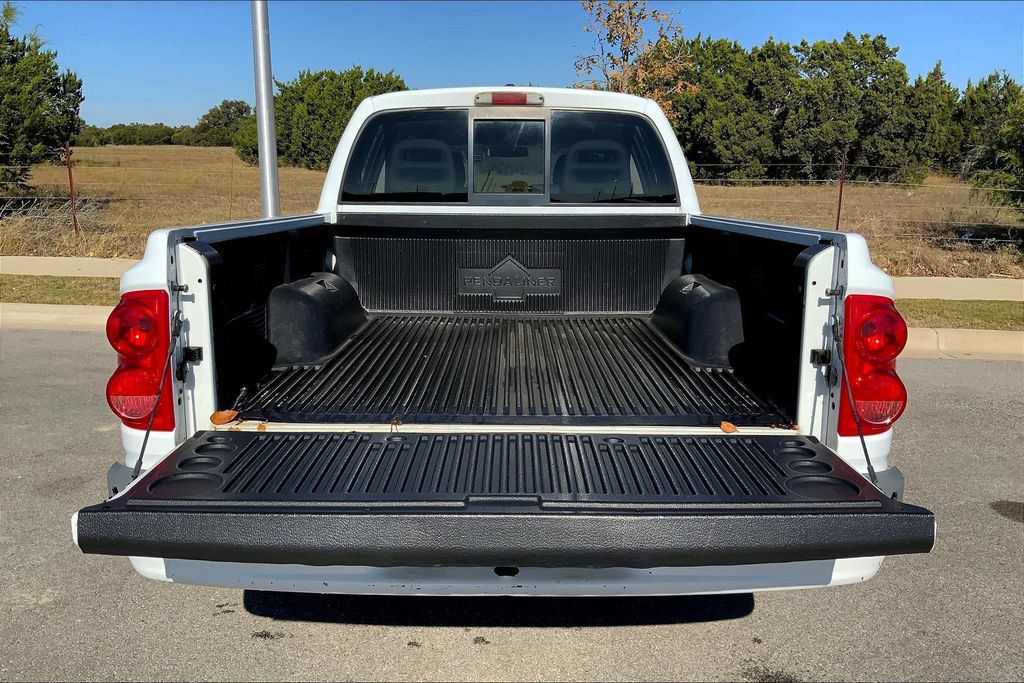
131	393
131	328
874	335
880	333
139	330
508	98
880	398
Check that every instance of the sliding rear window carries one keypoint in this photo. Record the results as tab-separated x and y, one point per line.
508	156
604	157
410	156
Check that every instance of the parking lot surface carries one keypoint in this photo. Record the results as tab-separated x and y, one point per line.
954	614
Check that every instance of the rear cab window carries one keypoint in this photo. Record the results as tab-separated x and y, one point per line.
543	156
606	157
410	156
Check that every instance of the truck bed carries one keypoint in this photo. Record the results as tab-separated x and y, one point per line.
483	369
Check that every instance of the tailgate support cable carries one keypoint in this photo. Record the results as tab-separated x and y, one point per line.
176	322
837	339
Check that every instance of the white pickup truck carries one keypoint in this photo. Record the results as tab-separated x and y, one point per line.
507	355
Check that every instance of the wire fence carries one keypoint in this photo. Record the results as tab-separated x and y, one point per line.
191	187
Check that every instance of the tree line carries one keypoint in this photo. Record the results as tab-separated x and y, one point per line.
215	128
784	111
777	111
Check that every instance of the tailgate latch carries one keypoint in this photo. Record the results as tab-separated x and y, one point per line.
189	354
823	358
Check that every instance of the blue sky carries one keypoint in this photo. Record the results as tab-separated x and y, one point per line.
171	61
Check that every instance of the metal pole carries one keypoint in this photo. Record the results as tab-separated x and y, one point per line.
264	109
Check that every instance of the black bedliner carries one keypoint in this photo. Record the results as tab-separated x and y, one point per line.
528	326
502	499
482	369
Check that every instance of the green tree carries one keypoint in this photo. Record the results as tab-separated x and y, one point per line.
91	136
217	127
38	102
721	123
852	99
882	148
311	112
186	135
1005	180
773	87
245	140
933	134
980	116
153	134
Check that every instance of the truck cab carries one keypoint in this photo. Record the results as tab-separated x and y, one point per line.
507	344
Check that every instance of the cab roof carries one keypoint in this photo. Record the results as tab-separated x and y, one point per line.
553	97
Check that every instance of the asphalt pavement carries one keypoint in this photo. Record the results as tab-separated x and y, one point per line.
952	615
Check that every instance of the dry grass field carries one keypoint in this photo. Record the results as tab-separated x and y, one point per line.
125	192
912	230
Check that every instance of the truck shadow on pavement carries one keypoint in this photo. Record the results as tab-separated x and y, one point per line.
379	610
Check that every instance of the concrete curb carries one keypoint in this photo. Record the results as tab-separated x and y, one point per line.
927	342
959	288
53	317
65	266
922	342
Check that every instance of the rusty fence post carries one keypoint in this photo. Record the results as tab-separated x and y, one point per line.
71	187
842	179
231	188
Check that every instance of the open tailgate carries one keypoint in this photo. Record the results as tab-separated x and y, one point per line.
546	500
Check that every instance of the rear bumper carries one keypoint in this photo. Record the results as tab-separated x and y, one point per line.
891	483
270	535
531	581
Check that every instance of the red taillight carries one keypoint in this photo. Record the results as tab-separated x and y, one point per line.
139	330
874	334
